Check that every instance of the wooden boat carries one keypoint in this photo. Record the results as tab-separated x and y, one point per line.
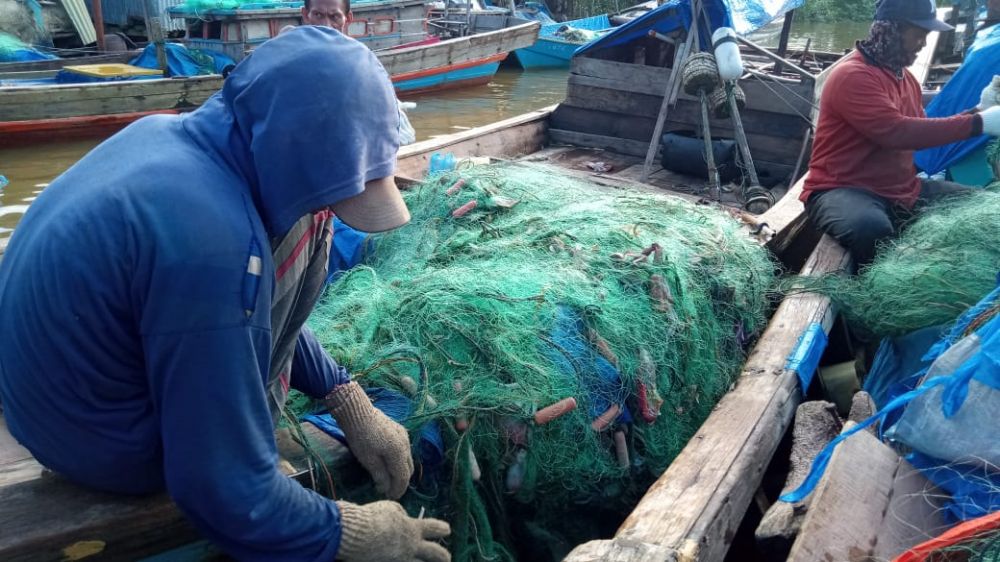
692	512
552	50
48	518
35	113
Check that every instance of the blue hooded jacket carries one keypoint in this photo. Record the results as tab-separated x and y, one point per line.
135	330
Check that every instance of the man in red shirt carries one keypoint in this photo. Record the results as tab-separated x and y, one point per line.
862	181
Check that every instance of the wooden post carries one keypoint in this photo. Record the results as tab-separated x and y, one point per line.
715	189
468	17
154	31
99	24
786	29
673	87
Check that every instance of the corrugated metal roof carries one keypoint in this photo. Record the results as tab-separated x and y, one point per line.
118	12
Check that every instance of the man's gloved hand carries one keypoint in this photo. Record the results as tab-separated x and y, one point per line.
381	445
383	532
991	121
990	95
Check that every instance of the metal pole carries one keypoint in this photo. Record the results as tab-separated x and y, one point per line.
99	24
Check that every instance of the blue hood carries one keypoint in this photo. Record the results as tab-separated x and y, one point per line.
281	123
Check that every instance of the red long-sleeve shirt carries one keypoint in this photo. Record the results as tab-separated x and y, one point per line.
870	123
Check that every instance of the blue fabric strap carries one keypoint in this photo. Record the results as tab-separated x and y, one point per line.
823	458
804	359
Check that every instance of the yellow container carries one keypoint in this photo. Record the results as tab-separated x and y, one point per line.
112	70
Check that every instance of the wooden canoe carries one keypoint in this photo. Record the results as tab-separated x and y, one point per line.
690	513
35	113
45	517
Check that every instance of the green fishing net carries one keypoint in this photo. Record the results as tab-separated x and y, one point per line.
639	307
943	262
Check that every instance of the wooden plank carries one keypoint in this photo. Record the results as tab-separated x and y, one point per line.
915	514
846	510
787	218
461	49
45	517
55	64
652	80
512	137
694	508
28	103
685	111
765	147
869	504
623	146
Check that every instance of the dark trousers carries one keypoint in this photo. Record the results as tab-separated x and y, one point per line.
859	219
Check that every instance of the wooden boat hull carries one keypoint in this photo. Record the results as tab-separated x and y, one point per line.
20	133
38	113
551	51
46	515
693	510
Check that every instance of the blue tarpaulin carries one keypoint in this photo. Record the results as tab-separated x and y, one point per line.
744	16
182	61
982	62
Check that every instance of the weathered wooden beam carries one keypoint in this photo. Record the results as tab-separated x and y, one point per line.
786	30
519	135
694	508
46	517
868	501
767	53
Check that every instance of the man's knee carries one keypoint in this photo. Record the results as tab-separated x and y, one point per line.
870	226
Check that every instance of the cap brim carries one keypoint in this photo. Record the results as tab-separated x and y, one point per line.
378	208
931	24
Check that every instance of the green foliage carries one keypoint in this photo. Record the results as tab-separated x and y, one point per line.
836	10
517	305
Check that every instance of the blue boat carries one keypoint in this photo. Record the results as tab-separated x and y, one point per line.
553	51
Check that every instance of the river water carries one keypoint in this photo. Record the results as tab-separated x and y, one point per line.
511	93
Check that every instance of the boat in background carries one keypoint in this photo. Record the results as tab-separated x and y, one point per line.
464	52
558	41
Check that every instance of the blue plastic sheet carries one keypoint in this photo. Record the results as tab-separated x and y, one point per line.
744	16
430	444
973	486
577	359
961	93
182	61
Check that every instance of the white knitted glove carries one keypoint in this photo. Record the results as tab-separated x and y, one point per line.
381	445
990	95
991	121
383	532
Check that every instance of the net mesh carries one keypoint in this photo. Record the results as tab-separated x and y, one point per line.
637	306
943	262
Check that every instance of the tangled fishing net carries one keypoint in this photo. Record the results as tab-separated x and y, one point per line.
943	262
515	288
13	49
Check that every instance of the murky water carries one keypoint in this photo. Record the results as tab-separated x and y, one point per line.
826	37
511	93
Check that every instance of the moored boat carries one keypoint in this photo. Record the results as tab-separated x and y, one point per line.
558	41
34	108
692	512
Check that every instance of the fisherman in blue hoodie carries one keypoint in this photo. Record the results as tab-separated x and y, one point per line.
153	300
